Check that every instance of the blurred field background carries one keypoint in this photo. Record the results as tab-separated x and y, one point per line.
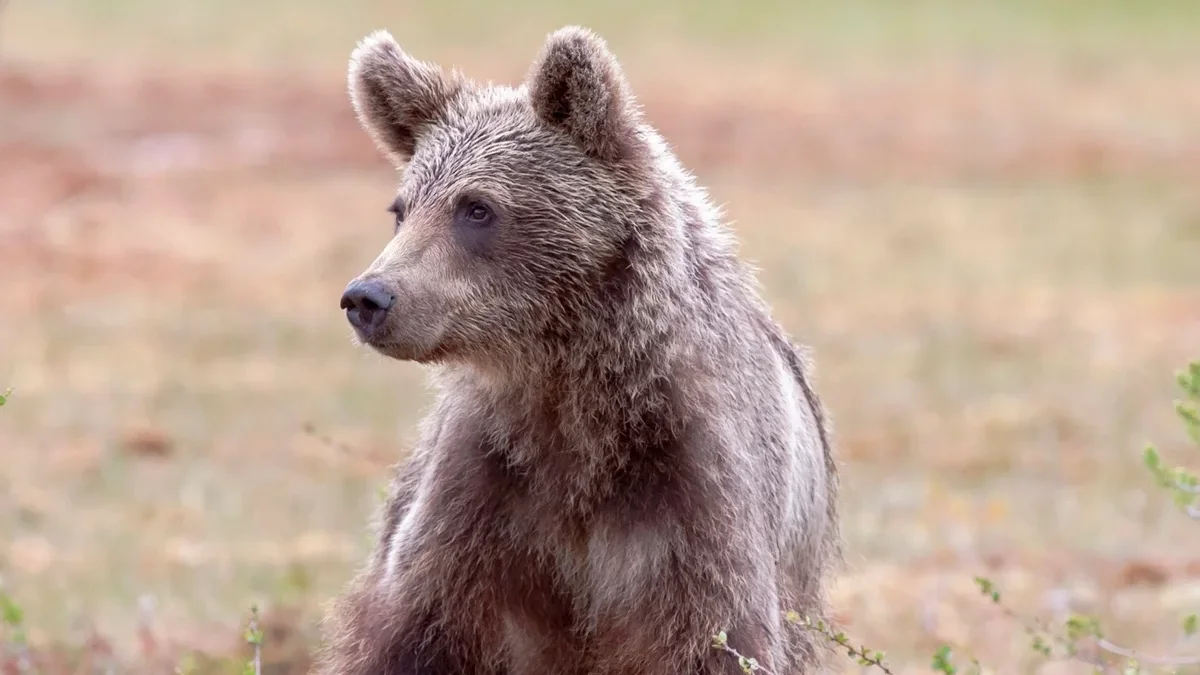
983	216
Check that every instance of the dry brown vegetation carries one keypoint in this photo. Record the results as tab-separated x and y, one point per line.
984	218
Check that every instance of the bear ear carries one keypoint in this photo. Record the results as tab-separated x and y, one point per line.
394	95
576	85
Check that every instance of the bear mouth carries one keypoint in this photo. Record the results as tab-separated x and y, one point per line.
405	351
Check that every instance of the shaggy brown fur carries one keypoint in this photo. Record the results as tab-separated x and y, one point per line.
626	455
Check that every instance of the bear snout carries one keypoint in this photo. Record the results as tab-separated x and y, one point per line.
367	302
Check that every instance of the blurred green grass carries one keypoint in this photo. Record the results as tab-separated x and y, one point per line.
310	33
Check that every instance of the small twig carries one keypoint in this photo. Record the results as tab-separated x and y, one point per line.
1034	628
746	663
859	654
1102	643
1143	658
254	636
325	439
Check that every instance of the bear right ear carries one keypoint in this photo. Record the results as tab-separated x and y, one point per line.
394	95
576	85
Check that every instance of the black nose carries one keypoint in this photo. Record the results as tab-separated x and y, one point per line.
366	303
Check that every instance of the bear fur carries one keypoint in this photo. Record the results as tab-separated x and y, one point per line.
626	455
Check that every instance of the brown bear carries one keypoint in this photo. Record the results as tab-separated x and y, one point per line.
626	455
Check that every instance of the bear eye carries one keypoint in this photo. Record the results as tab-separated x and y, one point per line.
397	208
478	213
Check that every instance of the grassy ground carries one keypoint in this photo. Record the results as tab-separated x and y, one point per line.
982	216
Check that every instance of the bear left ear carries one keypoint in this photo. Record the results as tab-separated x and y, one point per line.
577	85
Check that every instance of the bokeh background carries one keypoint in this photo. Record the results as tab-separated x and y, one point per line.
983	216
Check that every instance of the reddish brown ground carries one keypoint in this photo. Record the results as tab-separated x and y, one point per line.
999	268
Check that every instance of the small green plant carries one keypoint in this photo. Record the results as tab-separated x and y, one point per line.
1079	630
10	613
1189	625
862	655
1180	482
943	662
4	397
747	664
254	636
14	647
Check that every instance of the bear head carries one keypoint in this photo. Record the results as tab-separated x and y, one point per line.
515	205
